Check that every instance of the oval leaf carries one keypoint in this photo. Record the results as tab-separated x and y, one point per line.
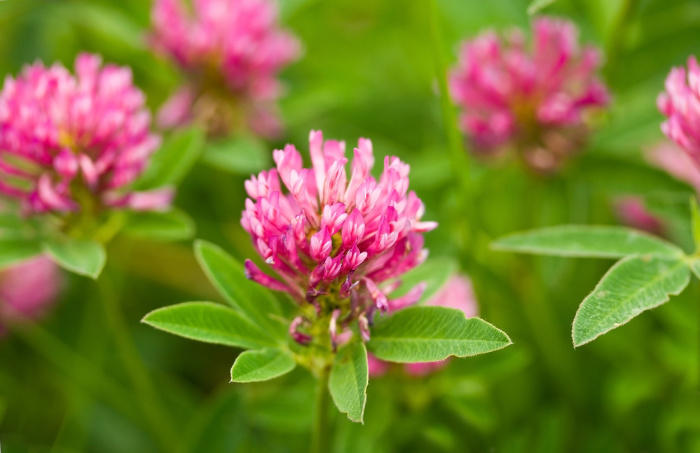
173	225
82	257
210	323
586	241
348	380
429	334
12	251
262	365
632	285
171	163
228	277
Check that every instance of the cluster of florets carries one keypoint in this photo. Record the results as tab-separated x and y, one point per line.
27	290
232	51
67	141
681	105
331	241
531	100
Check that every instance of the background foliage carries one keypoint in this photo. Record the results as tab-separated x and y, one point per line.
369	70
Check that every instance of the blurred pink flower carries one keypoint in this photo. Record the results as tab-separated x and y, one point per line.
28	289
632	211
673	159
376	367
65	138
681	156
533	100
230	49
681	105
668	156
332	241
456	293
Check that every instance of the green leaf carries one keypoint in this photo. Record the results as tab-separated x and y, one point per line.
348	380
434	272
632	285
261	365
228	277
13	251
537	5
82	257
695	216
429	334
173	225
695	266
241	155
171	163
586	241
210	323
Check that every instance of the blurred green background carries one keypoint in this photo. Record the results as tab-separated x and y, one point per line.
368	70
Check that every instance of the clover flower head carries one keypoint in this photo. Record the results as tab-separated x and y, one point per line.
28	289
229	49
533	99
680	103
65	138
337	243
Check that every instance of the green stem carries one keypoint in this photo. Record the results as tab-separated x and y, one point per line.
320	441
461	164
449	116
110	228
155	415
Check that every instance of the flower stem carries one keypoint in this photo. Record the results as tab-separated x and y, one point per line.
135	368
460	160
320	441
461	164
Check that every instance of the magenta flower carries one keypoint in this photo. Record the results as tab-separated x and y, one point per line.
28	289
533	100
457	293
678	163
335	242
70	141
681	105
232	51
632	211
